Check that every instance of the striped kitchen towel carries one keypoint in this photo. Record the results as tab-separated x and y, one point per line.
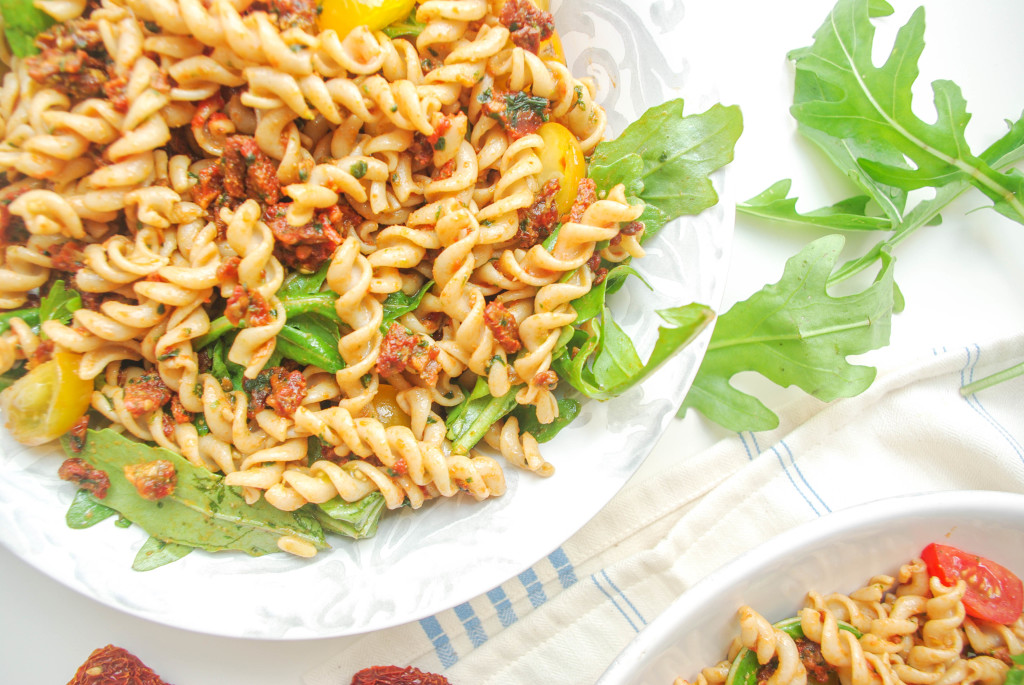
565	619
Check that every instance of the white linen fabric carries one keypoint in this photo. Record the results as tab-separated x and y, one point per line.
565	619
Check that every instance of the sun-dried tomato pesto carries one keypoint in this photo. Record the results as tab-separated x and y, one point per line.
527	24
503	325
144	394
82	474
248	172
519	113
308	246
538	220
153	480
401	350
287	390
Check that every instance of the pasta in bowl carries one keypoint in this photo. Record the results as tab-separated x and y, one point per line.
890	591
317	274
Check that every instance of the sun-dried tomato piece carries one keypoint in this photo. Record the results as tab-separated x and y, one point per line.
287	390
396	675
503	325
144	394
112	665
82	474
153	479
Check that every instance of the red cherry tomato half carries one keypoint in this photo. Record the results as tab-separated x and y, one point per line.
993	592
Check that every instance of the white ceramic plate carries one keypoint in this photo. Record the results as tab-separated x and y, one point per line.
449	551
838	552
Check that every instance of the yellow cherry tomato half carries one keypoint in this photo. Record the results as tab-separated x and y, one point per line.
561	158
345	15
386	410
46	402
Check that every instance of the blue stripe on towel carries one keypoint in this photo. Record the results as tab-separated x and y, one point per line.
967	376
796	486
566	573
503	607
800	473
471	622
442	645
615	604
625	598
534	588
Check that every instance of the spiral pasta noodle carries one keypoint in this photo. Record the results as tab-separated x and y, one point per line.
225	185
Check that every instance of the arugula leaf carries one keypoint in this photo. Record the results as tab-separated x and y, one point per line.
86	511
357	519
29	316
222	367
1015	676
297	283
592	303
23	21
311	339
399	304
794	333
155	553
408	27
665	160
202	511
775	204
840	93
469	420
606	363
568	410
59	304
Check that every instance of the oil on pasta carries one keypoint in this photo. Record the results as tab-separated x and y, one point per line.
183	165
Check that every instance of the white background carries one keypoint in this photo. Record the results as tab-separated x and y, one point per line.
962	281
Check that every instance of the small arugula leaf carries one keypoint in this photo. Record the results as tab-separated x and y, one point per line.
357	519
29	316
845	96
298	283
59	304
222	367
607	364
85	511
592	303
399	304
665	159
794	333
568	410
23	21
775	204
155	553
469	420
407	27
312	339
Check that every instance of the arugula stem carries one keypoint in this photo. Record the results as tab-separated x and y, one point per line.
989	381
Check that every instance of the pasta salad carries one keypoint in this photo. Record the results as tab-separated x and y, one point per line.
947	616
271	268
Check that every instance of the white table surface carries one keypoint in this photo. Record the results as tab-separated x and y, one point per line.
962	281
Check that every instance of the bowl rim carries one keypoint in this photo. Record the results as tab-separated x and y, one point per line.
802	538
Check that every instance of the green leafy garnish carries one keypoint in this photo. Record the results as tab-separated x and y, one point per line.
202	511
353	519
59	304
469	420
312	339
406	28
519	103
775	204
85	511
155	553
23	21
568	410
793	332
399	304
665	160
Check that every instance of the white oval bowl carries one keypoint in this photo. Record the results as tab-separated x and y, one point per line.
837	552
